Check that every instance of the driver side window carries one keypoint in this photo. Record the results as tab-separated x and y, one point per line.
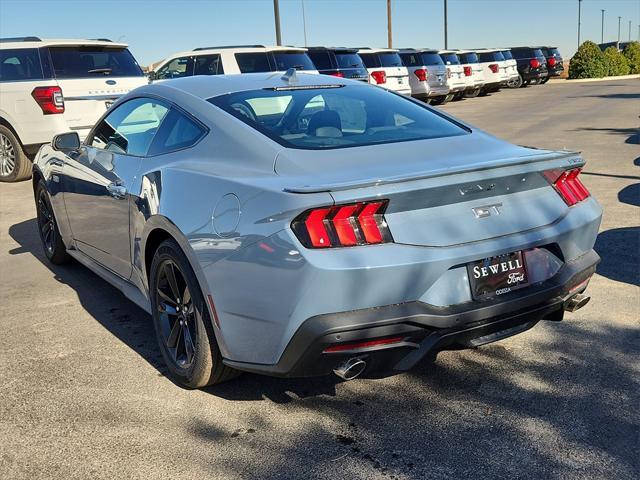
176	68
130	128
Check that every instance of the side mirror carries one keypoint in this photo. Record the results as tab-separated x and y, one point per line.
66	141
152	75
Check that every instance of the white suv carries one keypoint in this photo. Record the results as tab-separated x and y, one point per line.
53	86
494	67
427	74
232	60
512	67
473	72
455	74
385	69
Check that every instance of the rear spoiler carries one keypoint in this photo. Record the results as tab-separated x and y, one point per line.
574	159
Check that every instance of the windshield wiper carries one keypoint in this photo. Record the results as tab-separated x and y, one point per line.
106	71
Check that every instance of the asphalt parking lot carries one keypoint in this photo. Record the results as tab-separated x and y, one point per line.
83	394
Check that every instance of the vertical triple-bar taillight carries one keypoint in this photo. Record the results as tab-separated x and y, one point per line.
379	76
346	225
494	67
421	73
467	71
50	99
568	185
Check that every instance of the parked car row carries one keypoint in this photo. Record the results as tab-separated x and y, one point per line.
52	86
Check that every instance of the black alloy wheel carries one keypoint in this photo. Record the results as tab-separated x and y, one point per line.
52	243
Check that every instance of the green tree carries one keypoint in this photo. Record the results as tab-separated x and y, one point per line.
588	62
617	63
632	54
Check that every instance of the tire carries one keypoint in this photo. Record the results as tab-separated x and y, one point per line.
517	83
14	163
525	84
472	93
544	80
182	323
458	96
52	243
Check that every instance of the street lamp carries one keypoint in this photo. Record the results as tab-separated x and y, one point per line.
579	15
446	41
629	30
602	29
276	16
619	18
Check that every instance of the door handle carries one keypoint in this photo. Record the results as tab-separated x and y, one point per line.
56	163
117	190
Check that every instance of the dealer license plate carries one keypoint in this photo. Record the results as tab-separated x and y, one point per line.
497	275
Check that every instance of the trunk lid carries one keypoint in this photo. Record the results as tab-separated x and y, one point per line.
441	192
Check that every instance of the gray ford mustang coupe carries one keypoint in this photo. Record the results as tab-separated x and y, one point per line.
298	225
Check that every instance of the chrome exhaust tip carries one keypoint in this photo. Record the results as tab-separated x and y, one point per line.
350	369
576	302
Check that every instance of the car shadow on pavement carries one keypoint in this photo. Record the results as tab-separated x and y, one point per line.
630	195
618	248
633	133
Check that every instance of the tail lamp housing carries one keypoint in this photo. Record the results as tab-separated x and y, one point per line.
379	76
467	71
551	62
347	225
421	73
494	67
568	185
49	99
535	63
337	74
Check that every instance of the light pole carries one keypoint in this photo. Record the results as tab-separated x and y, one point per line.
389	35
602	29
629	30
619	18
579	13
276	15
446	40
304	23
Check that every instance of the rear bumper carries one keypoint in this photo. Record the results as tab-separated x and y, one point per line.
534	74
424	329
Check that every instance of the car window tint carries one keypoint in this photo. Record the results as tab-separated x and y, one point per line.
321	59
370	60
537	53
130	127
208	65
468	57
90	62
507	55
176	68
390	59
450	59
431	59
20	64
336	116
298	60
253	62
410	59
176	132
349	60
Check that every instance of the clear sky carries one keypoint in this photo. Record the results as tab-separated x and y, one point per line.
157	28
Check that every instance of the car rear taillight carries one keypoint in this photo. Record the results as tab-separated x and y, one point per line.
348	225
551	62
379	76
568	185
467	71
50	99
494	67
535	63
381	342
421	73
337	74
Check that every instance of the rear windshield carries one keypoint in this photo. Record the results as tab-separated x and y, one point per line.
537	53
507	55
450	59
468	57
90	62
390	59
298	60
432	59
349	60
336	116
491	57
321	59
20	64
552	52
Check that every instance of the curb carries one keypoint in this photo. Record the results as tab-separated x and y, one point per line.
587	80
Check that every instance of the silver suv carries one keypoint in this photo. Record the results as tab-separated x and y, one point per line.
427	74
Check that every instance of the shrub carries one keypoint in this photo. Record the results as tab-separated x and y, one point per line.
617	63
588	62
632	54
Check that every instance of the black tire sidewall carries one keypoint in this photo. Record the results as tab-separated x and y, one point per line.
59	254
206	352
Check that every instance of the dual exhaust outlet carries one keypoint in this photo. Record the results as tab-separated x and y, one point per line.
576	302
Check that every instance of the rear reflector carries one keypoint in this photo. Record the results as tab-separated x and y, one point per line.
494	67
534	62
50	99
343	225
568	185
421	73
379	77
359	345
467	71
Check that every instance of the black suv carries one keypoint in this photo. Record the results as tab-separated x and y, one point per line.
554	62
339	62
532	66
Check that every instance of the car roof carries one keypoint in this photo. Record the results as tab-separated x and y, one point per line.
335	49
34	42
365	50
463	51
208	86
419	50
487	50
